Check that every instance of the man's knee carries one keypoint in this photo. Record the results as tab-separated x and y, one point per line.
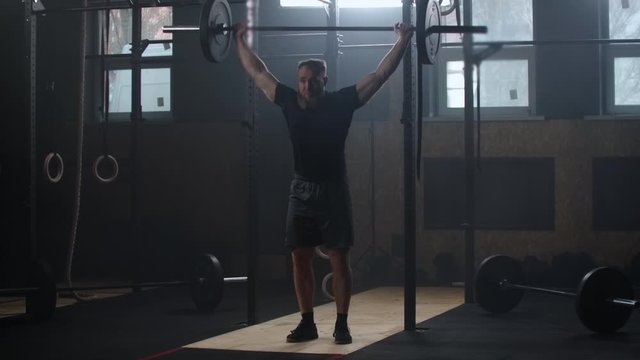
302	256
339	258
338	253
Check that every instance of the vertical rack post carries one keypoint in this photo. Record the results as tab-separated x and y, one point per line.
409	182
469	223
253	240
136	119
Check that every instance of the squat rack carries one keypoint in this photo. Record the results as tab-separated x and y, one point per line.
34	8
410	113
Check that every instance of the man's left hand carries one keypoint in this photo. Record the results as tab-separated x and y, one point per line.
403	30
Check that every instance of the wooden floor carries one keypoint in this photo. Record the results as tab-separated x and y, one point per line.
375	314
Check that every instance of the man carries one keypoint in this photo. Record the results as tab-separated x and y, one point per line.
319	201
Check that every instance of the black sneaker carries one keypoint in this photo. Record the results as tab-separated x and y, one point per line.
342	336
303	332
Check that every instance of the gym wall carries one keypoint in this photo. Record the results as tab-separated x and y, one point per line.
194	167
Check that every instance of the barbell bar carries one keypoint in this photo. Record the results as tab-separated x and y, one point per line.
436	29
566	42
603	299
206	287
216	29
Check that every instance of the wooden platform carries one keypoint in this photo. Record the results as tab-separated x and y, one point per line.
375	314
16	306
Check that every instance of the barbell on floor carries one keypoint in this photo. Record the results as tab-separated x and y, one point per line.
216	29
603	299
206	287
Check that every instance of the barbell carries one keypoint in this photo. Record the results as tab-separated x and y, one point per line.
206	287
603	299
216	29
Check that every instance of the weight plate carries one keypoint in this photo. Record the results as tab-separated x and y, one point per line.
428	14
325	286
453	6
208	283
321	252
215	45
489	294
41	304
593	301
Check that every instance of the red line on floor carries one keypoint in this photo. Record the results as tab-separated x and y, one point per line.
161	354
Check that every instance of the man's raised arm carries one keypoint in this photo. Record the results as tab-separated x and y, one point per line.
371	83
254	66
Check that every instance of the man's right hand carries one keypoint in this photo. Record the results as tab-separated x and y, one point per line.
253	65
240	29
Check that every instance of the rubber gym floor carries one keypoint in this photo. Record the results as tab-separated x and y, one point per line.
161	323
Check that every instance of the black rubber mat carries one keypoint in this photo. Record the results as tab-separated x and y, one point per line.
136	325
156	324
542	327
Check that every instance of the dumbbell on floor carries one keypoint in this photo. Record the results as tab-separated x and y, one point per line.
603	299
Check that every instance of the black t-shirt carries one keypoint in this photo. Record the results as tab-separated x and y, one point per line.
318	135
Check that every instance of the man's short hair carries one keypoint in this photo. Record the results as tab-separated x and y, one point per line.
317	66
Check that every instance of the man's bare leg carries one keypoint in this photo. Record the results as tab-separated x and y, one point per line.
341	269
304	283
304	278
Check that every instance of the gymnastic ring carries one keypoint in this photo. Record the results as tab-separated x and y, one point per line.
114	163
47	170
321	253
325	291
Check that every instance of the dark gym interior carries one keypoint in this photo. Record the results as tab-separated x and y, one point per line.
534	155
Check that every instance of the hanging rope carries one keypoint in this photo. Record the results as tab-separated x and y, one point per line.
79	146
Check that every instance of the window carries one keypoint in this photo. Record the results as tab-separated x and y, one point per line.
624	59
506	78
156	96
508	87
627	80
507	20
156	69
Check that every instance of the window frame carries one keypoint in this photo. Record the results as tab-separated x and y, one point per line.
115	62
454	53
613	52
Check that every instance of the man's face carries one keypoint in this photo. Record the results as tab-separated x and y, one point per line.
310	86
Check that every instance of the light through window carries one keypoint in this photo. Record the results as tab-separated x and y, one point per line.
627	80
504	83
156	94
624	23
343	3
155	79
